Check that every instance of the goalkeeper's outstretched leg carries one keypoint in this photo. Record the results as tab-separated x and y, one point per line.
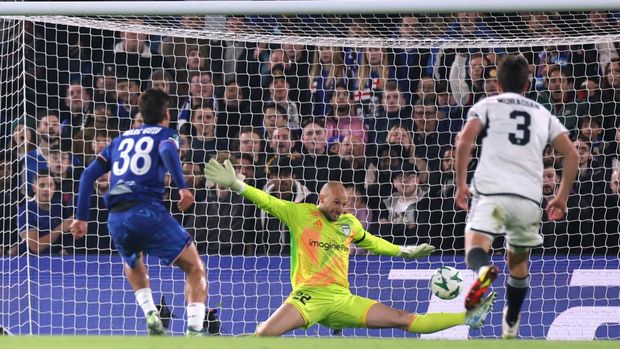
364	312
383	316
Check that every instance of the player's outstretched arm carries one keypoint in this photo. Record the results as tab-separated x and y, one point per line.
168	151
383	247
464	146
557	207
95	170
225	175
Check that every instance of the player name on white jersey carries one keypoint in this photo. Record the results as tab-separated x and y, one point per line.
517	132
143	131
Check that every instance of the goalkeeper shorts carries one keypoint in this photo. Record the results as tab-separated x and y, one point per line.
517	218
332	306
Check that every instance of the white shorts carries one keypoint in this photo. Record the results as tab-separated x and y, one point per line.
517	218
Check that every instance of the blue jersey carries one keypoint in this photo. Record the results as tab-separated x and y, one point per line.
136	164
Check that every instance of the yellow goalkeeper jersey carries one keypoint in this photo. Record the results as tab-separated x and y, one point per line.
319	247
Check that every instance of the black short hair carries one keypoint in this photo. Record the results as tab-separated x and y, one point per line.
280	167
43	173
153	104
513	74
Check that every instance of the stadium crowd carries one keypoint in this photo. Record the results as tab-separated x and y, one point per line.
291	117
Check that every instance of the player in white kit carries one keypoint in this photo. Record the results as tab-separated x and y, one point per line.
507	184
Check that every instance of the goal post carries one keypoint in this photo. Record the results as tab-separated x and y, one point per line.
297	93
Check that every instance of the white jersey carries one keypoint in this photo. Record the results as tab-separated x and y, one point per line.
517	132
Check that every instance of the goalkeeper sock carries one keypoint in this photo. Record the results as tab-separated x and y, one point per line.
477	258
516	289
433	322
196	316
144	297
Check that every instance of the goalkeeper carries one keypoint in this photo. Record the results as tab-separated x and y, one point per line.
320	240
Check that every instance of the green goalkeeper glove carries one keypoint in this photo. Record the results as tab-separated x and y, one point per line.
223	175
419	251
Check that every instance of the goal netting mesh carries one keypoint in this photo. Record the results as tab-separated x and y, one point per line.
374	101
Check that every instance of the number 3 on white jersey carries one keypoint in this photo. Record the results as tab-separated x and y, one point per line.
142	149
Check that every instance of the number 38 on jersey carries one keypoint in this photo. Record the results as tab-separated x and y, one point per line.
134	156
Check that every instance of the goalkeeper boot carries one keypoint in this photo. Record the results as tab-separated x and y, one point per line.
509	332
475	318
154	325
481	285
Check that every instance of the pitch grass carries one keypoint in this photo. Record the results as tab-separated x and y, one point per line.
68	342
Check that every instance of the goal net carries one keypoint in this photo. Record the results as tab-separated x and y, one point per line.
374	101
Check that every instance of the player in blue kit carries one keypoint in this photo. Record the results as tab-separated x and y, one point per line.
138	221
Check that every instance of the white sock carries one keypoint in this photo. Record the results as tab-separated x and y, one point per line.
144	297
195	315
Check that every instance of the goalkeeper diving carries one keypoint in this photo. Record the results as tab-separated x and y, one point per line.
320	240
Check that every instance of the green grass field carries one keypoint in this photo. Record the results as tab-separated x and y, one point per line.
280	343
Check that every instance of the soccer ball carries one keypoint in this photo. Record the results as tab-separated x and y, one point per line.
446	283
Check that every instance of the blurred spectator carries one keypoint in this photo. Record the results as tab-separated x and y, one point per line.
590	179
162	80
374	71
612	152
559	98
556	233
223	222
591	131
250	144
11	197
234	60
327	71
196	184
352	152
409	63
41	221
318	167
467	77
490	82
275	237
76	105
468	26
426	90
601	22
201	94
444	179
297	74
174	49
607	218
22	143
233	112
100	140
607	103
132	54
282	145
357	205
128	97
97	240
427	137
101	120
279	94
48	131
394	111
66	176
246	169
137	121
344	121
405	216
274	116
454	113
105	84
204	144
